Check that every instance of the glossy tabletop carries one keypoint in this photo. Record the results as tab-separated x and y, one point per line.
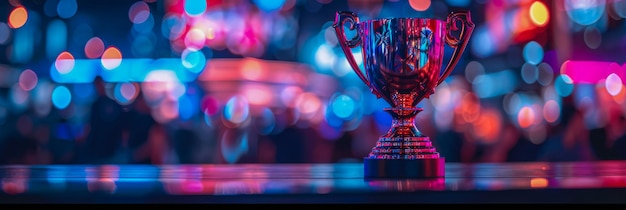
536	182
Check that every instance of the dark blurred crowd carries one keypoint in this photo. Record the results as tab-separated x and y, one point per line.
128	134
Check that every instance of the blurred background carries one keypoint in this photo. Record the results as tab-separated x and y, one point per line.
265	81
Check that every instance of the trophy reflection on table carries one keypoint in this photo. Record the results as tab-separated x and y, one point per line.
402	58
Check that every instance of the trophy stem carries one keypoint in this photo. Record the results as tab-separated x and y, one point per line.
404	152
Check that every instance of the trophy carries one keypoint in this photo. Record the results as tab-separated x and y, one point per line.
402	58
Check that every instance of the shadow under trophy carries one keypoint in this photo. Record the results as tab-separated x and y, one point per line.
402	58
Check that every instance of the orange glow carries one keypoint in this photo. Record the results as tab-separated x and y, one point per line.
94	47
526	117
251	69
18	17
469	107
210	33
308	103
64	62
620	97
522	23
538	182
258	95
111	58
195	39
488	125
539	13
419	5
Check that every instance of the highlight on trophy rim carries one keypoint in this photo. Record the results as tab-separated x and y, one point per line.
402	60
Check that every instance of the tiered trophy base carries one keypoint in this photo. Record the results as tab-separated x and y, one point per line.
410	157
404	168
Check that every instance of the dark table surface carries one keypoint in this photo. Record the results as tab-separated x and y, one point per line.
535	182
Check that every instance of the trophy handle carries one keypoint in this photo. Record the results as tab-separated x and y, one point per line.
346	45
457	44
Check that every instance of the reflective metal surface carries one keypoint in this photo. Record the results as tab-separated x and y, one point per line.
314	183
402	58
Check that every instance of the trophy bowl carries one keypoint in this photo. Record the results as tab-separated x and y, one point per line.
402	59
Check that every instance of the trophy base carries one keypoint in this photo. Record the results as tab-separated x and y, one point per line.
404	168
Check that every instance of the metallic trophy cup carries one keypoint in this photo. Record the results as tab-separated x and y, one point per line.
402	58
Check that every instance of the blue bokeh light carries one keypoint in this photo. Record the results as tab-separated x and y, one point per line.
563	85
483	44
61	97
185	107
67	8
269	5
533	53
193	60
195	7
343	106
584	12
458	3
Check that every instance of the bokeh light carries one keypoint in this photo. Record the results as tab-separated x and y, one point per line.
546	74
584	12
111	58
193	60
551	111
195	39
308	103
209	105
473	69
19	97
343	106
170	54
564	85
61	97
269	5
530	73
237	109
139	12
458	3
5	33
258	95
482	42
67	8
94	47
619	7
126	92
592	37
64	62
28	80
539	13
18	17
526	117
533	53
186	107
613	84
195	7
420	5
